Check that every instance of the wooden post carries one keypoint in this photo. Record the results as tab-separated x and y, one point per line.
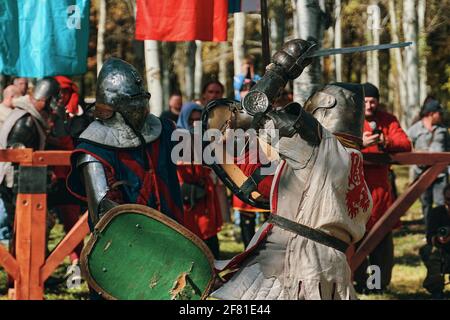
65	247
398	208
31	227
28	267
38	244
23	246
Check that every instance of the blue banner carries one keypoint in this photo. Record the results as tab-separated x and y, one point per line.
41	38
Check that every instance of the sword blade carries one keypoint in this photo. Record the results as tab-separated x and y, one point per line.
329	52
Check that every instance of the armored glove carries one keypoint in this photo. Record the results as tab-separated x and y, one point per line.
293	119
287	64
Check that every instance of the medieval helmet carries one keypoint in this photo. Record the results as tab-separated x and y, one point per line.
120	89
339	107
47	89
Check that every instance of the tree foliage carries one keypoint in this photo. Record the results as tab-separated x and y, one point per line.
119	42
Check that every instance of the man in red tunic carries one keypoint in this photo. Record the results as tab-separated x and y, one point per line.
67	124
382	133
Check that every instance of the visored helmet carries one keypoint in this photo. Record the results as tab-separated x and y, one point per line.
339	107
120	88
47	89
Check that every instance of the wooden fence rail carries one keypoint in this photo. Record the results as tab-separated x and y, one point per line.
29	267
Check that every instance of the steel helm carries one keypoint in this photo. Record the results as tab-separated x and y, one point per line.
47	89
339	107
120	89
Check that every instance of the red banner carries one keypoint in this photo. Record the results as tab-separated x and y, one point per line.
182	20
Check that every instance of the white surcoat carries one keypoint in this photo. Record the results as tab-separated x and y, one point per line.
322	187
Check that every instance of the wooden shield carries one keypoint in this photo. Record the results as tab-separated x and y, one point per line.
138	253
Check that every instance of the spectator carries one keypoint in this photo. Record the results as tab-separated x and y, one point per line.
430	135
436	253
22	85
212	90
175	103
247	73
6	106
382	133
68	122
202	211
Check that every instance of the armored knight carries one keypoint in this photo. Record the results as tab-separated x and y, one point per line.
124	155
25	127
319	200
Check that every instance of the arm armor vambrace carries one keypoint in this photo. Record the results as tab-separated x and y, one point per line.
96	186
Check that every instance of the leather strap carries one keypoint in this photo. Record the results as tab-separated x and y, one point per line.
251	184
309	233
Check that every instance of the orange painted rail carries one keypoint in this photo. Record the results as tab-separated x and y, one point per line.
436	162
28	267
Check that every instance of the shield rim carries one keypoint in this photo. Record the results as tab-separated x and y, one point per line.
151	213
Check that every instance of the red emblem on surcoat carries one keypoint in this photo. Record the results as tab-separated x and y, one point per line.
357	194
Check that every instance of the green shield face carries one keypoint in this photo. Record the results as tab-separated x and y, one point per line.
137	253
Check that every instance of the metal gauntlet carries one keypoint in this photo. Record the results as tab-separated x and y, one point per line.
293	119
287	64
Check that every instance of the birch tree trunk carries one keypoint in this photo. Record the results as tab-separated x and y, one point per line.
238	41
411	62
278	25
198	74
223	67
295	19
153	75
421	10
398	64
190	70
167	50
101	34
309	27
338	40
373	29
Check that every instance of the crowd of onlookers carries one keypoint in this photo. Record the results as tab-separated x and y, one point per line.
383	134
51	117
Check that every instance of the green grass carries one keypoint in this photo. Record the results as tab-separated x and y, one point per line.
409	270
407	277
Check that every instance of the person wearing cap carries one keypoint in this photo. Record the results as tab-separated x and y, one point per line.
430	135
382	134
